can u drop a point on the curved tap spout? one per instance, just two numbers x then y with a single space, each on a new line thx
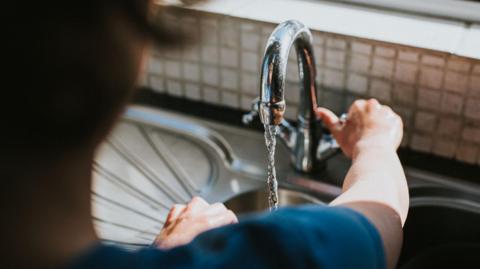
274 69
272 88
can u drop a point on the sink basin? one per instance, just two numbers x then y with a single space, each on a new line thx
256 201
437 236
442 228
153 160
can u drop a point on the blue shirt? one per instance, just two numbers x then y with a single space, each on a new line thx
301 237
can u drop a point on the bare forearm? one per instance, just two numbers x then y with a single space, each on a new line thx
376 187
376 176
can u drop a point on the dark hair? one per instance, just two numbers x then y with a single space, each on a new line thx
69 74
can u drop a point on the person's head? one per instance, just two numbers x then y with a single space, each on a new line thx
72 67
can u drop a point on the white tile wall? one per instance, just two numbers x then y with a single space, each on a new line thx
428 98
210 75
363 48
250 61
381 89
425 121
246 102
155 65
472 109
230 99
445 147
475 85
404 94
229 57
174 87
452 103
336 43
156 83
191 71
360 63
210 54
471 134
449 127
459 65
357 83
431 77
476 69
192 91
229 79
292 92
467 152
436 94
407 55
172 69
422 143
335 58
334 79
456 82
406 72
433 60
387 52
250 41
250 83
382 67
211 95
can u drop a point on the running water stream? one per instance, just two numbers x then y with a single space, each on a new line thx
270 141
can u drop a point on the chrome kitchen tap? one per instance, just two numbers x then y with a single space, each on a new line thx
309 146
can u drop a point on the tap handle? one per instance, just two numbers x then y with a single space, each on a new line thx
247 118
327 147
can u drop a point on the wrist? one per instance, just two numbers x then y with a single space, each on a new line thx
373 144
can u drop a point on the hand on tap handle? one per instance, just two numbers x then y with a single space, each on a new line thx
369 124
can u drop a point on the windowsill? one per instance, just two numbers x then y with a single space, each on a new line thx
405 29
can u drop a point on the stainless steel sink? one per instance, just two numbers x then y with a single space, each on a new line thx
255 201
155 159
443 224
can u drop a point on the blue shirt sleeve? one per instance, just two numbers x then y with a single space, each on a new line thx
302 237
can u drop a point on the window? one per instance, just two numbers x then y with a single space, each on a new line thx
459 10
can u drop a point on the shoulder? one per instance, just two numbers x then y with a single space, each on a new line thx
335 237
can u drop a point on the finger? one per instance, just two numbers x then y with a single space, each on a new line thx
222 219
373 104
178 209
233 217
358 105
216 208
388 111
329 118
197 204
356 109
175 211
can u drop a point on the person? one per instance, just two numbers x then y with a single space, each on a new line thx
71 72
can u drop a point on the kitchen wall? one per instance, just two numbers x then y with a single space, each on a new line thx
436 94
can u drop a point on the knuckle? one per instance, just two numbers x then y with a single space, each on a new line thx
219 205
198 199
176 206
195 201
358 102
